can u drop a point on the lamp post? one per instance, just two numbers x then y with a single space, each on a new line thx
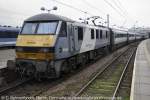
108 20
135 25
48 10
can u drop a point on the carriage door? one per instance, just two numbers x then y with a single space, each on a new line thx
71 41
75 35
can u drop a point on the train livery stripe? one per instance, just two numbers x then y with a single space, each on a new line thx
35 56
35 49
36 40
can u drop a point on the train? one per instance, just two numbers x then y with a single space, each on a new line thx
49 45
8 36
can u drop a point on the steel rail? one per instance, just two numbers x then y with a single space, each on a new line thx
98 74
18 83
122 75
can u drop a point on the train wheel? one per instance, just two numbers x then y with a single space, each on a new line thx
65 68
37 76
58 66
106 49
84 60
11 64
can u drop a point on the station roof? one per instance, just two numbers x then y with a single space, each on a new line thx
48 17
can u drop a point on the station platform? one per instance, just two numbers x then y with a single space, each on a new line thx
6 55
140 88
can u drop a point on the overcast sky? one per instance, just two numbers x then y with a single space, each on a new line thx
14 12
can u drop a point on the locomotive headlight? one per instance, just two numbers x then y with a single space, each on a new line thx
19 49
44 50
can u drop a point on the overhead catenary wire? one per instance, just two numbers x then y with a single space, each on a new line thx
70 6
123 9
120 7
92 6
77 9
119 2
125 16
96 8
122 15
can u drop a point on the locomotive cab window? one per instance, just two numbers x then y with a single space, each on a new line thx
63 30
80 33
47 28
29 28
92 34
106 34
39 28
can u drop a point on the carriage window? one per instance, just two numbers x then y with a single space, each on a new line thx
80 33
118 35
63 30
97 34
101 34
121 35
106 34
92 34
9 34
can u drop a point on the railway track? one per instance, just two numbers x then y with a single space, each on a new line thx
29 87
125 85
107 82
13 85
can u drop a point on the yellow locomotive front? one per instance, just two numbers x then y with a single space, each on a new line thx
36 41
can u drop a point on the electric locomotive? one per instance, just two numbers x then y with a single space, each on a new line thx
50 44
